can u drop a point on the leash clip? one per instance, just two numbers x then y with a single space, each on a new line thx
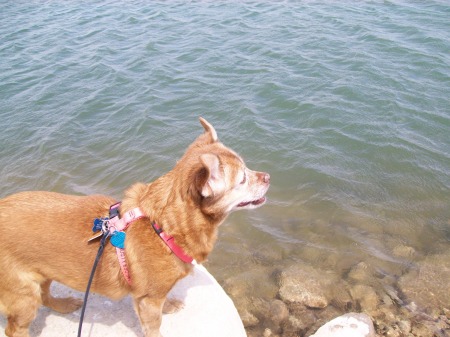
100 228
105 227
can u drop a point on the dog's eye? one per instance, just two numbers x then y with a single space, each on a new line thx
244 179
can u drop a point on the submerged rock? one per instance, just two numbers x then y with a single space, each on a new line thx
248 319
258 280
294 326
299 321
278 312
365 296
305 285
349 325
361 272
404 251
427 285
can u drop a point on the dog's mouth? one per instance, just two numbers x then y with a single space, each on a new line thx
257 202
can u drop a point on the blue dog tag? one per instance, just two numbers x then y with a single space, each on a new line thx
118 239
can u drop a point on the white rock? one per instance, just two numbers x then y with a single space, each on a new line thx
208 311
349 325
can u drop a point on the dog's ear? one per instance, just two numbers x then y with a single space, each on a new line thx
210 134
209 130
214 182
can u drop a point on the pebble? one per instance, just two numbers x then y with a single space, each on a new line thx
405 327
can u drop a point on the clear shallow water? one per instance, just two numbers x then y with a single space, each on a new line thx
345 105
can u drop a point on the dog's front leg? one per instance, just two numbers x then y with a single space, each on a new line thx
149 311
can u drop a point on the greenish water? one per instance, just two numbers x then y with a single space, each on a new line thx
345 104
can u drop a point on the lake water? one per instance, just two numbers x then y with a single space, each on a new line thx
345 104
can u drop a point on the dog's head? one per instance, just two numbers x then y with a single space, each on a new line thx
219 179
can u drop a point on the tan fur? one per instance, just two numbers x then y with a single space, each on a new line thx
43 236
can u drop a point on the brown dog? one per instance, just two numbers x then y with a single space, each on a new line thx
43 236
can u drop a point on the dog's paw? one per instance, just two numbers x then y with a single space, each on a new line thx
172 305
65 305
73 303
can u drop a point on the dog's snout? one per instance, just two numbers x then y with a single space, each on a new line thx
265 177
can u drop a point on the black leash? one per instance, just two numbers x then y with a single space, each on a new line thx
101 228
86 295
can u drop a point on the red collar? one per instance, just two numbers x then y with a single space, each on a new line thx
170 242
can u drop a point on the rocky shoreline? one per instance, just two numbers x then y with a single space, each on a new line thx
300 298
